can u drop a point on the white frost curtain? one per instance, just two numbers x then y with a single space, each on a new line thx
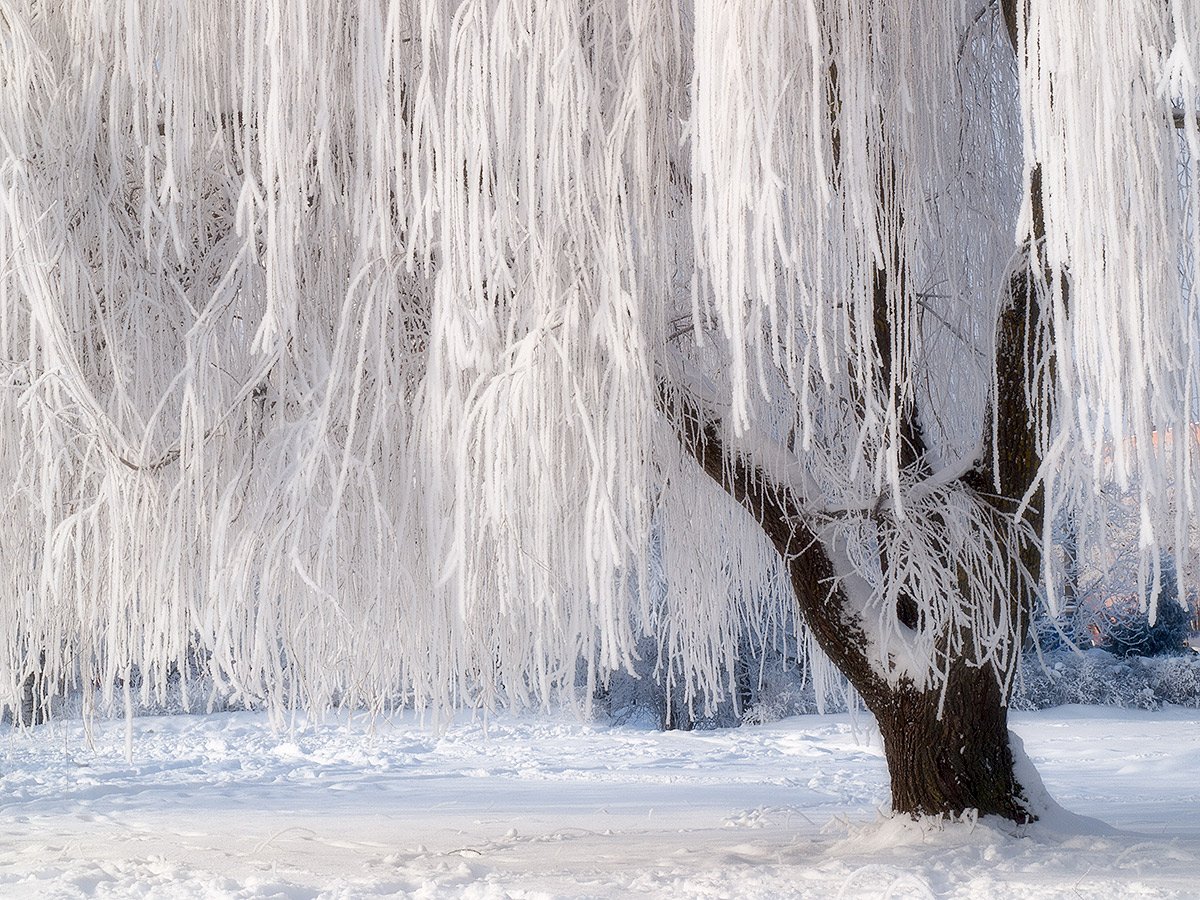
330 331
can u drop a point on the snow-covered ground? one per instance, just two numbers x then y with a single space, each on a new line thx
220 806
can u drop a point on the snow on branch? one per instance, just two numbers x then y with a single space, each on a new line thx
330 342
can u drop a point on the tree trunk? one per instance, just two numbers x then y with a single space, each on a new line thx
947 749
949 754
34 698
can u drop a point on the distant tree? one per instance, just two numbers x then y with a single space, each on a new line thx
32 708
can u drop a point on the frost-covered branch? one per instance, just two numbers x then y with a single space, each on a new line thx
820 592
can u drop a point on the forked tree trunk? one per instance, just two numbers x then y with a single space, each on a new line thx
947 748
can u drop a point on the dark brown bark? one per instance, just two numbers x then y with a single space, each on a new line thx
948 751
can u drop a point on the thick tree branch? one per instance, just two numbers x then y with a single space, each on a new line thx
821 600
1008 8
1011 446
1180 118
1010 461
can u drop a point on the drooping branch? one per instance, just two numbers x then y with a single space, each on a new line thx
912 449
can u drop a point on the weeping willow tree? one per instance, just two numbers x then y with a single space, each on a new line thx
432 352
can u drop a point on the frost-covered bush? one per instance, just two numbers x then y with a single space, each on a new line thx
1176 679
789 690
1123 625
1111 614
1127 631
1099 678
